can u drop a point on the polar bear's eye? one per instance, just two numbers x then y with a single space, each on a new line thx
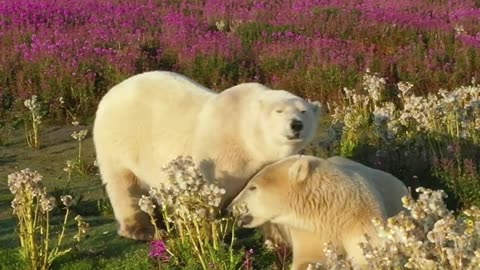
304 111
279 111
252 188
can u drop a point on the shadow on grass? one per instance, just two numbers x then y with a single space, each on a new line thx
104 249
7 237
102 246
4 160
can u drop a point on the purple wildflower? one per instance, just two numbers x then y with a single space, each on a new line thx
58 48
158 250
248 263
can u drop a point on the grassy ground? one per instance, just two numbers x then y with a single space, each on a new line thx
103 248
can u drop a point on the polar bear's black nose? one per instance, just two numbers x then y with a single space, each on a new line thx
245 220
296 125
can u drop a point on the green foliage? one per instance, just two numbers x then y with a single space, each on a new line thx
212 70
251 32
10 259
460 176
433 138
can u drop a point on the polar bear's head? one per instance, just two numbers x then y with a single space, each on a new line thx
287 119
278 193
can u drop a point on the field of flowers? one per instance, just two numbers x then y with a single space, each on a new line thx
78 49
399 80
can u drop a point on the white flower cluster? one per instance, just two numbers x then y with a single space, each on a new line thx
459 30
428 236
356 114
146 204
47 203
454 113
334 260
69 166
357 111
187 195
27 180
384 121
80 135
67 200
27 185
374 85
33 105
220 25
82 226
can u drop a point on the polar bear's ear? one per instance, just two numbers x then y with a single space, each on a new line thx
299 170
316 106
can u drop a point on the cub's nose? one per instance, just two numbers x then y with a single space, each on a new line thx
245 220
296 125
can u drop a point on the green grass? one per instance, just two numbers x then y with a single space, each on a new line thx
103 248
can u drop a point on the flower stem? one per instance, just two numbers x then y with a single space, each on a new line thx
197 250
47 236
55 251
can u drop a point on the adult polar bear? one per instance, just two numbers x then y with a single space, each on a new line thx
151 118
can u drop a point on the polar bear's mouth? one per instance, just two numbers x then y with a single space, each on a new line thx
250 221
245 220
294 137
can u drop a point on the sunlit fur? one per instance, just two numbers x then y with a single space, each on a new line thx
152 118
320 200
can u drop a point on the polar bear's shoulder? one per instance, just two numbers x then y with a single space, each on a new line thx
166 80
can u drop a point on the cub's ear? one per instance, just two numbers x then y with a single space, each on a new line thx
299 170
316 107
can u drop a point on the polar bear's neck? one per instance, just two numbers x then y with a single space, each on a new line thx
324 199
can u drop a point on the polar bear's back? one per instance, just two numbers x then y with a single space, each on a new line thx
138 118
162 89
389 188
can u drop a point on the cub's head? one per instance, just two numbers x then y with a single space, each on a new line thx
273 193
286 118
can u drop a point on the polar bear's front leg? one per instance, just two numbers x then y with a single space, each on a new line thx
124 193
307 248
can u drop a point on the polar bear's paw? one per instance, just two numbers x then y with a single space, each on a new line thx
137 233
136 230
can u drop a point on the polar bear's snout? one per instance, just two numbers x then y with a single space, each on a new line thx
245 219
296 125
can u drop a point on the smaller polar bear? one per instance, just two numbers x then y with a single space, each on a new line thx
318 201
149 119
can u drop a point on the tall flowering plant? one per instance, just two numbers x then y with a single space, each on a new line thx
33 121
440 129
32 206
190 208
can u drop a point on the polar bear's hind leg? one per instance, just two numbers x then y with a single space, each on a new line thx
124 194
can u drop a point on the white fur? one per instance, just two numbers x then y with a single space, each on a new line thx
314 201
150 119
